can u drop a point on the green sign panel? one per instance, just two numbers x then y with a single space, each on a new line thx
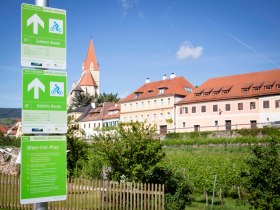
43 37
44 108
43 169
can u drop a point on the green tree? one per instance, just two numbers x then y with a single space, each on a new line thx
83 99
131 151
104 97
262 180
77 155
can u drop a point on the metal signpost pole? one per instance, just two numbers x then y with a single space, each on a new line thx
43 205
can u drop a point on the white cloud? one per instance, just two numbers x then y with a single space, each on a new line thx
127 4
186 51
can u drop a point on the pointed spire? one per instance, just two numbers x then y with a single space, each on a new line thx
91 61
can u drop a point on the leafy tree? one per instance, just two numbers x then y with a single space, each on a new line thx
104 97
77 154
131 151
82 99
262 180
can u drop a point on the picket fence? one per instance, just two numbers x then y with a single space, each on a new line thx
90 194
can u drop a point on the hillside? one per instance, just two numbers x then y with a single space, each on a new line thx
10 113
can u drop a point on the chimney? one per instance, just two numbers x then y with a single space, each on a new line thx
164 77
93 105
172 76
148 80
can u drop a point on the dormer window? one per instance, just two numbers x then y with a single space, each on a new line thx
206 94
187 89
244 90
268 87
161 91
137 94
278 87
197 94
256 88
150 91
225 92
215 93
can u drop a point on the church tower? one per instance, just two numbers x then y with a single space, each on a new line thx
90 78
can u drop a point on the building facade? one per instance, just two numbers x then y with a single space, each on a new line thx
154 102
233 102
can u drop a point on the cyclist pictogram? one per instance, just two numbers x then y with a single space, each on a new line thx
56 89
55 26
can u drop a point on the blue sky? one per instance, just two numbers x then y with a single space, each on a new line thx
136 39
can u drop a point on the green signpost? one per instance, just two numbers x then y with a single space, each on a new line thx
43 37
44 108
43 169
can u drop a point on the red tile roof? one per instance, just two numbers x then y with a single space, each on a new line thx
113 112
91 58
237 86
87 80
99 112
2 129
176 86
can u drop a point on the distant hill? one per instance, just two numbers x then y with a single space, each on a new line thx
10 113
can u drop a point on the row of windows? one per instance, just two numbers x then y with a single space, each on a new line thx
227 124
148 117
98 125
149 103
240 106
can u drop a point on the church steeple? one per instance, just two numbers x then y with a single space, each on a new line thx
90 63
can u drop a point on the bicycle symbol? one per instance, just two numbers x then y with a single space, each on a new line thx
55 27
56 90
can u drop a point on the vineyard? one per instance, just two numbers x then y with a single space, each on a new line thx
200 165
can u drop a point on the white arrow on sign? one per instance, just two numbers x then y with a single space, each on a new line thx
35 19
36 84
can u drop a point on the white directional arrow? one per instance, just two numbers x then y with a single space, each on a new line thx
36 84
35 19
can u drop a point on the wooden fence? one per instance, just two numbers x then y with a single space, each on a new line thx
90 194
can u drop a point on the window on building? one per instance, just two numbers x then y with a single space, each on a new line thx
168 101
161 91
215 108
147 117
268 87
142 118
194 109
278 87
89 125
196 127
142 104
155 102
216 123
161 116
136 105
185 110
148 104
240 106
184 124
277 103
227 107
203 108
130 105
252 105
168 116
161 102
265 104
84 125
155 117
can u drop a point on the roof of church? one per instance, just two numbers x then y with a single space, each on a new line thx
91 58
236 86
87 80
